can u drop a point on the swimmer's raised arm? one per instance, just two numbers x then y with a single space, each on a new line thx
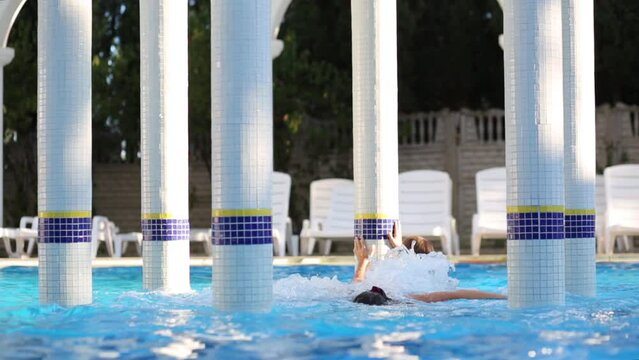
455 295
361 253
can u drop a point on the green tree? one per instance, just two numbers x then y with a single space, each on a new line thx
20 118
200 81
116 81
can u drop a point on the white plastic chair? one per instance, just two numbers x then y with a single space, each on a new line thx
101 231
622 204
121 240
490 219
28 232
323 204
425 207
282 225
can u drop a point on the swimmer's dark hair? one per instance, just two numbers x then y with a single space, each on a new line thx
374 296
422 246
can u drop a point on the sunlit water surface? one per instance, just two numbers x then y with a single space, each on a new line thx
313 317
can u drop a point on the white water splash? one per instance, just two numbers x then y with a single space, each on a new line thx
402 272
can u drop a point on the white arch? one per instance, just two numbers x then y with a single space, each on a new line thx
278 9
9 10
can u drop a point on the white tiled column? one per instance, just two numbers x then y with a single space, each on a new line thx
579 137
242 154
6 55
165 169
64 151
375 168
534 152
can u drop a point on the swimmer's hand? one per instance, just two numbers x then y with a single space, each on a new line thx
362 253
360 250
395 237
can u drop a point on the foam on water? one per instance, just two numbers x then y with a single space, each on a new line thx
400 273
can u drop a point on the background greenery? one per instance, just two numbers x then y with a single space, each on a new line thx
447 52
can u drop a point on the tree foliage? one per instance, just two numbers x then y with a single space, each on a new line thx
448 57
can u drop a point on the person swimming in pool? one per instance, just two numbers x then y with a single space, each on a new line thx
377 296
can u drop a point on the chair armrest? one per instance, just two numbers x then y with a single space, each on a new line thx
25 221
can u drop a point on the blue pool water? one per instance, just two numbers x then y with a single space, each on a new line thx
313 318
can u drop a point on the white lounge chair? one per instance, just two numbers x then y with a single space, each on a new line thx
28 232
322 204
425 207
282 225
622 203
490 219
202 235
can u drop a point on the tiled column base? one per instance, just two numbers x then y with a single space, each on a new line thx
535 273
242 263
65 273
165 255
581 266
580 254
64 252
375 232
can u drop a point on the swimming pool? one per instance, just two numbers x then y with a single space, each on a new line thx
313 318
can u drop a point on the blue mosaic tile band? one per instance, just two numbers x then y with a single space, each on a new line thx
64 230
242 230
536 226
580 226
165 229
373 229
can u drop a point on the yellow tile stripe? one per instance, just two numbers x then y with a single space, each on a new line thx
535 208
152 216
372 216
241 212
581 212
64 214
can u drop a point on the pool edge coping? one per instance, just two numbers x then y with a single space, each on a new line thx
305 260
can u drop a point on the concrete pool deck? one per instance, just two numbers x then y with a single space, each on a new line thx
307 260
